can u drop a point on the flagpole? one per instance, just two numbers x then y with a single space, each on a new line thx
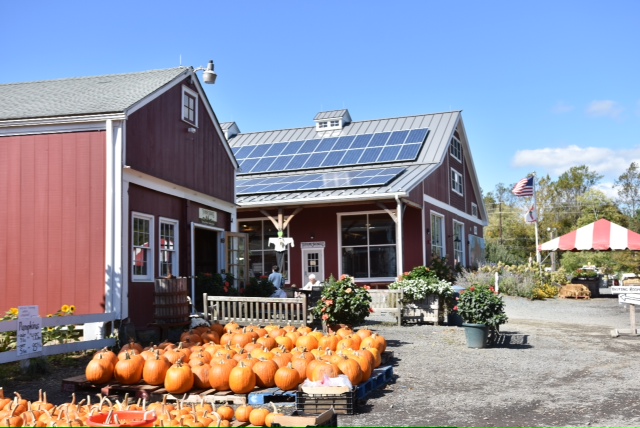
535 205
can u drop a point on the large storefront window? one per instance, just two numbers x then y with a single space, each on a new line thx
262 256
368 246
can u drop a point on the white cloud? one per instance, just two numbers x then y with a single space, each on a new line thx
604 108
561 108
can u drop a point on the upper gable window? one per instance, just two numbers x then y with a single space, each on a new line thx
456 181
456 149
474 210
189 106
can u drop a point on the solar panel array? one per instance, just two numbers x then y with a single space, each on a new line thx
380 147
318 181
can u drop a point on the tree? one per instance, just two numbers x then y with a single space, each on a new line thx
628 186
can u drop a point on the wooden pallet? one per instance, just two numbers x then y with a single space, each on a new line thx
81 384
198 395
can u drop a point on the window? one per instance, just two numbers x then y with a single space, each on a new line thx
474 210
262 256
142 247
335 123
189 106
456 149
322 124
368 244
169 261
458 241
456 181
437 233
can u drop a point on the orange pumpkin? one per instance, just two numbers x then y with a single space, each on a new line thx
287 378
242 379
225 412
155 370
99 370
258 416
243 412
179 378
219 375
201 375
265 371
322 370
128 371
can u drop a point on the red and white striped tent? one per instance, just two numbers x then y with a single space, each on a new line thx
601 235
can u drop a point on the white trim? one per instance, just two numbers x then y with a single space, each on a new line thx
456 178
221 249
157 93
320 200
449 208
462 242
176 244
49 125
151 249
153 183
443 232
303 253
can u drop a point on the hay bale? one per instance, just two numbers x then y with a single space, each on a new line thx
576 291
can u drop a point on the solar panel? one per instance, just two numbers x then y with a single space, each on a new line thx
315 181
364 149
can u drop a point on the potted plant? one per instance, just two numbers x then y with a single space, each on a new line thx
343 302
482 310
585 274
424 294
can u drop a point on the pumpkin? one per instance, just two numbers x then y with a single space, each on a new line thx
243 412
307 341
287 378
219 375
366 364
265 371
132 345
201 375
257 417
330 341
268 420
225 412
105 353
285 341
267 341
179 378
155 370
322 370
99 370
128 371
242 379
350 368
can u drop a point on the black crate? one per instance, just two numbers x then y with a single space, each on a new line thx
344 403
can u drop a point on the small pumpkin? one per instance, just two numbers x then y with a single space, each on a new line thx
258 416
287 378
242 412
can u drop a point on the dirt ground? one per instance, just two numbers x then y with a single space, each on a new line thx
555 364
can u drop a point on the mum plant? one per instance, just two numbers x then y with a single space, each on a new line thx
421 282
261 287
480 304
343 302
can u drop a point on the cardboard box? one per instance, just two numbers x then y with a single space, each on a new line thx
298 419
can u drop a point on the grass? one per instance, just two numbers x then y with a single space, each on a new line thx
42 366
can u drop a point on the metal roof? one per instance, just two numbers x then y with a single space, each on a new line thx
81 95
334 114
441 127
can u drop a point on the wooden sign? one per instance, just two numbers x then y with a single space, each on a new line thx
631 299
632 289
29 331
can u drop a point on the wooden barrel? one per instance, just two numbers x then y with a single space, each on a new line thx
171 304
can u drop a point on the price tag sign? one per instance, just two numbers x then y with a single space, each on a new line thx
29 331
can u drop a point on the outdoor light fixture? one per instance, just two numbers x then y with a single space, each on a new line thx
191 130
208 74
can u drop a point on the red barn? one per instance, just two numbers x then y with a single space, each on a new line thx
371 199
107 183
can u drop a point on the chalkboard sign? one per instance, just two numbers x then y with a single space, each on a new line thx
29 330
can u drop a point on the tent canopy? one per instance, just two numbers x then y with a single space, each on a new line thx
601 235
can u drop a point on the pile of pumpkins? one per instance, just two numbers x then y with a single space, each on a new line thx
18 412
234 358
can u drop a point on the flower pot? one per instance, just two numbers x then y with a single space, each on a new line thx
429 310
477 335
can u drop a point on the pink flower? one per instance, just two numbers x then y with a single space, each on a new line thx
366 287
325 317
455 308
328 302
493 290
472 289
343 277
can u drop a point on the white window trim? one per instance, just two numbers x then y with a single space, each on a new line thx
443 241
194 95
461 260
339 252
455 143
176 243
151 267
456 174
474 209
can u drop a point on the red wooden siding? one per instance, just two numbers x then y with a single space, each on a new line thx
52 221
159 144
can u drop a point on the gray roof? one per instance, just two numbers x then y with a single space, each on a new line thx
330 114
83 95
441 127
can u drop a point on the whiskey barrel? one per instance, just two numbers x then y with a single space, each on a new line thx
171 301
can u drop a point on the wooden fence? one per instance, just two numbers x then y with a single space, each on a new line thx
54 349
256 310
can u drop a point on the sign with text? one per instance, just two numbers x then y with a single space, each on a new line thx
207 216
632 289
314 244
630 299
29 335
28 311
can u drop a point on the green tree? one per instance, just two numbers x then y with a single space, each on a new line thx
628 187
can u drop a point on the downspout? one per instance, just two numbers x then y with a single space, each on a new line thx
399 242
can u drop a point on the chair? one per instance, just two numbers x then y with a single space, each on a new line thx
313 298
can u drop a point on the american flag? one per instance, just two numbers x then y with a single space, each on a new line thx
524 187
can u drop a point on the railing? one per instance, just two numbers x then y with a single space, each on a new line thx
256 310
51 349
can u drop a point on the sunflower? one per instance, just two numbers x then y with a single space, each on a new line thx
72 308
13 311
65 308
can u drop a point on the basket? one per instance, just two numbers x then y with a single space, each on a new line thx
318 400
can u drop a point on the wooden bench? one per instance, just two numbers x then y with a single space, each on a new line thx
387 301
256 310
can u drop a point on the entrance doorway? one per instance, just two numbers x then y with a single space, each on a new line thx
205 258
312 263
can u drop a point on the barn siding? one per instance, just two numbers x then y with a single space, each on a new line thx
52 192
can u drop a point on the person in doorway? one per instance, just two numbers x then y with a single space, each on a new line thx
277 280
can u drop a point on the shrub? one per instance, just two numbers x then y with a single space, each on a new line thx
343 302
258 287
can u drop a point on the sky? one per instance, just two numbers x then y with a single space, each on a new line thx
542 85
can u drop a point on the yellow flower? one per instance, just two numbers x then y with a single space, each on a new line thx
13 311
65 308
72 308
49 316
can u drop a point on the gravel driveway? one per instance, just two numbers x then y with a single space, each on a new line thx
556 365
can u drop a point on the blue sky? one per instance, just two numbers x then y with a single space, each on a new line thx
543 85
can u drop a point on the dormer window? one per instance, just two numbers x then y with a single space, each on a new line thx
322 124
189 106
335 123
336 119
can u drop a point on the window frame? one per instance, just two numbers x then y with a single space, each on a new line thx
266 248
334 123
438 233
456 182
150 249
175 259
323 124
455 149
368 246
189 93
458 247
474 209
